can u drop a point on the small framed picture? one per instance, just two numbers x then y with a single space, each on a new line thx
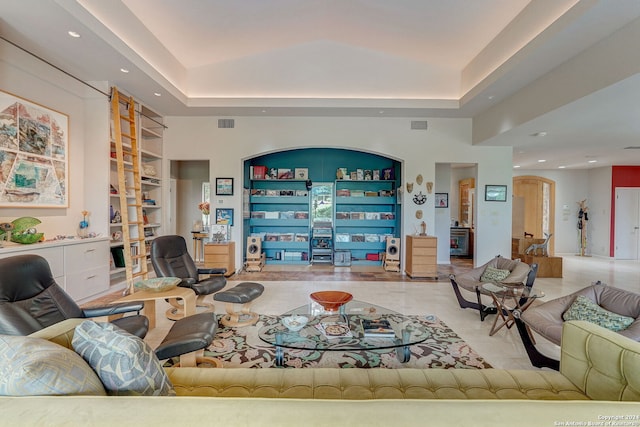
442 200
224 186
495 193
224 216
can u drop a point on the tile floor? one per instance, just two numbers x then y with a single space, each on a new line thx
503 350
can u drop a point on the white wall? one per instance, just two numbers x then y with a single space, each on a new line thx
446 141
88 111
572 186
599 209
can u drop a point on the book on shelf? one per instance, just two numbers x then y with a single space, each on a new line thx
334 329
286 215
379 328
286 237
301 173
371 238
342 237
357 238
259 172
285 173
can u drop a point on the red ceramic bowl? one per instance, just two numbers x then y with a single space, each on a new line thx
331 300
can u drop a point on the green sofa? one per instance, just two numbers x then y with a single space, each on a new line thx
599 377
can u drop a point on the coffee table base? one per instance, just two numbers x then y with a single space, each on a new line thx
403 352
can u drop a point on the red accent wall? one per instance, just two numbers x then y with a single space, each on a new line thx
621 176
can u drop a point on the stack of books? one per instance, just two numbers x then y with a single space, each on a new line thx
378 328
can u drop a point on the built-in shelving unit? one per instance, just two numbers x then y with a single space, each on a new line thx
150 136
280 217
371 212
365 216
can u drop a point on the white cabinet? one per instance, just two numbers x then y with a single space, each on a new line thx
86 269
80 267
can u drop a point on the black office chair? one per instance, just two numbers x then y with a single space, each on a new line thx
170 258
30 300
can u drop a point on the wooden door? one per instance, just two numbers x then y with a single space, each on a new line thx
465 187
538 195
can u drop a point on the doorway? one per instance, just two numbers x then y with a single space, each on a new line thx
627 223
534 208
189 176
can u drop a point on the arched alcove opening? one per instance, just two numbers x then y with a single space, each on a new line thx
355 197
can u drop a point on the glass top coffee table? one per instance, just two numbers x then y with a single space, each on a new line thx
326 331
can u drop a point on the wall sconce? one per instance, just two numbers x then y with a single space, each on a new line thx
309 184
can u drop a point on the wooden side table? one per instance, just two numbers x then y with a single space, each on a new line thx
149 298
507 299
220 255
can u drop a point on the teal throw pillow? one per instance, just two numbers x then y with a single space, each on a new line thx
126 365
585 309
494 275
37 367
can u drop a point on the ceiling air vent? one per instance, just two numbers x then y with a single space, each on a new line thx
419 124
226 123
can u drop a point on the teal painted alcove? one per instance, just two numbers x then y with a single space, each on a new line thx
322 165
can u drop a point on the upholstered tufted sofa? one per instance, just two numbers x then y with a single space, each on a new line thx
596 364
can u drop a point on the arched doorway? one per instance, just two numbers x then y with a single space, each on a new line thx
534 208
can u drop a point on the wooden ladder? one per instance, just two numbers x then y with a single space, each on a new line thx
129 187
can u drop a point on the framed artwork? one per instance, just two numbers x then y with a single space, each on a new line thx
224 186
220 233
34 146
442 200
495 193
224 216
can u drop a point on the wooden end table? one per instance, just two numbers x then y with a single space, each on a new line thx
507 298
149 298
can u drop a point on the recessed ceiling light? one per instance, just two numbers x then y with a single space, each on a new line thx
157 93
561 167
73 34
516 166
593 161
124 70
539 134
541 161
490 97
264 111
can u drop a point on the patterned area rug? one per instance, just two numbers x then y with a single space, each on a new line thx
242 348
